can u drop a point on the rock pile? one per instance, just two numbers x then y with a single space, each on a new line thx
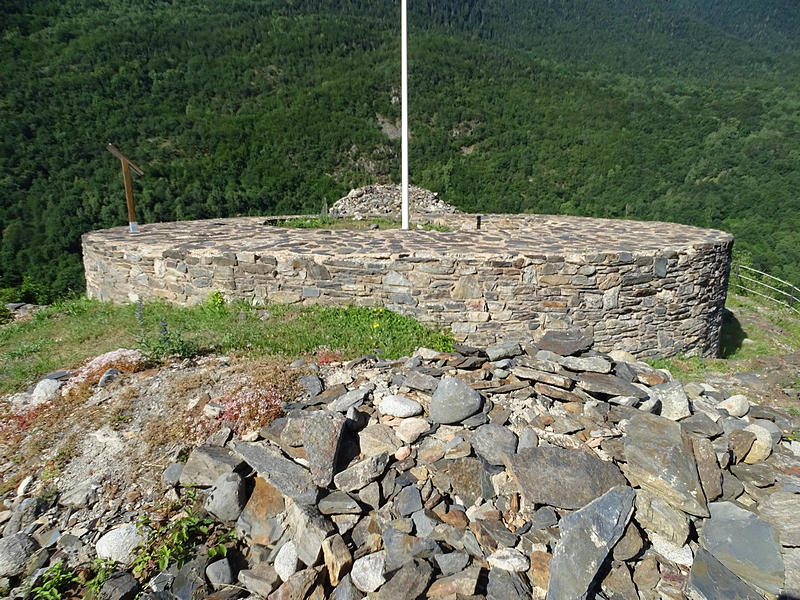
547 471
385 201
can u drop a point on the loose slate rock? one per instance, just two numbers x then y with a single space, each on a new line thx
309 528
660 459
463 583
656 515
782 511
322 434
595 364
350 399
14 553
610 385
409 583
262 518
674 401
507 585
339 503
206 464
503 350
587 536
493 442
362 473
566 343
701 425
452 562
285 475
226 498
711 580
453 401
119 586
562 478
747 545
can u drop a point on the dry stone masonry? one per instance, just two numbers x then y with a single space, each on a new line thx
537 471
652 289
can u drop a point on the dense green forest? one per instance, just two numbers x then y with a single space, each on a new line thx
679 110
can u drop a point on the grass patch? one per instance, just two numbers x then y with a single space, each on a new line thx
68 332
328 222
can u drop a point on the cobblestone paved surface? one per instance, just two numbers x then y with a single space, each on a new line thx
504 235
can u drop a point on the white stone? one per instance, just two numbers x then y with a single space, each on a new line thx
286 561
762 447
119 544
410 429
337 377
622 356
367 572
737 406
399 406
426 353
681 555
509 559
45 391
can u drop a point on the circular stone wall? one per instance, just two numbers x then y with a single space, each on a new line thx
653 289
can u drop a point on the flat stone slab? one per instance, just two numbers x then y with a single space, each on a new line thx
285 475
746 544
660 459
562 478
711 580
587 536
782 511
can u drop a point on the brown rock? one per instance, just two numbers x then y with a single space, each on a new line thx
337 558
707 468
258 517
618 583
464 582
630 544
646 575
456 518
740 442
297 586
539 572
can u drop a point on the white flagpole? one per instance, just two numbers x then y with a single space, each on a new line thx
404 104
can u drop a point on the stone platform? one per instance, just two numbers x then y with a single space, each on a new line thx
653 289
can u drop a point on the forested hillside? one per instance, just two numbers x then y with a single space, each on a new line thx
687 110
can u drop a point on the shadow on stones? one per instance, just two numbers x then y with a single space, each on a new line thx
732 335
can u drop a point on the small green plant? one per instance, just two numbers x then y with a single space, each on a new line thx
102 568
5 314
167 343
794 411
55 581
215 303
173 541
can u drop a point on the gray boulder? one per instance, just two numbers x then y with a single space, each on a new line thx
453 401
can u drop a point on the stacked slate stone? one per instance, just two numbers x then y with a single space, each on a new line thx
386 201
547 471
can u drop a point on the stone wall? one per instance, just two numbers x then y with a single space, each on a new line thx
653 289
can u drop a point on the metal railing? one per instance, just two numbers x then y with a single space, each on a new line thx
764 285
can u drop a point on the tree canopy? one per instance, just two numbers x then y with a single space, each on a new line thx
685 111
